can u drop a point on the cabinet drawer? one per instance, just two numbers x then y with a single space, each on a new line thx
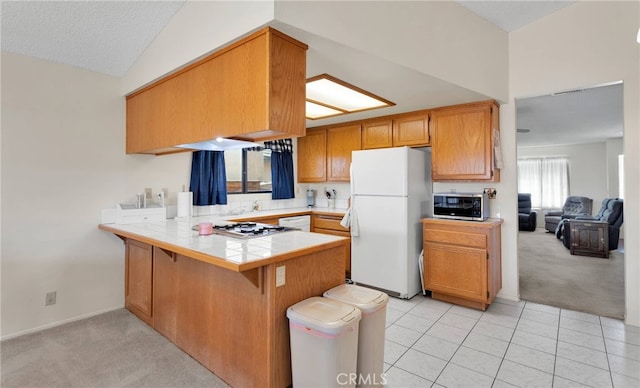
328 222
474 240
333 232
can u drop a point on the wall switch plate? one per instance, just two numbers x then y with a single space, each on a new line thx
280 276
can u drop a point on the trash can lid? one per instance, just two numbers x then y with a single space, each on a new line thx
323 314
366 299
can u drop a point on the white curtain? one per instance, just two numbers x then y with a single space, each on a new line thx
546 179
529 179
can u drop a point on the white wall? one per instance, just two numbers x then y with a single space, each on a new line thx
63 142
198 28
615 147
582 45
588 169
438 38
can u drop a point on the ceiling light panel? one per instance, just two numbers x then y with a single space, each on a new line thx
331 93
325 92
316 111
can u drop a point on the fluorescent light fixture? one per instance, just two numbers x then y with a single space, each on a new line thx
219 144
316 111
328 96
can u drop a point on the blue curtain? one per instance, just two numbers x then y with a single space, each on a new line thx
281 168
281 175
208 178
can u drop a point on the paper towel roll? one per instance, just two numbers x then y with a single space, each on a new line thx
185 204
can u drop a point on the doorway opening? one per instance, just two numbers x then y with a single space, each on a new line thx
585 128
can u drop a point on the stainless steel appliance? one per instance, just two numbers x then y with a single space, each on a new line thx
461 206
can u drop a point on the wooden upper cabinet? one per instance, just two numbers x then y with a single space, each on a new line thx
340 142
412 130
253 89
462 143
312 156
397 131
378 134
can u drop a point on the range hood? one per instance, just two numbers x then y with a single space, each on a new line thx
220 144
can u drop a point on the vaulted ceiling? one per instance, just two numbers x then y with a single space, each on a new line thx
108 37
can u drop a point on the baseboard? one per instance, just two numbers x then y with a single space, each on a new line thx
59 323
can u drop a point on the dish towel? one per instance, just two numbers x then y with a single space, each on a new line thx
351 220
346 220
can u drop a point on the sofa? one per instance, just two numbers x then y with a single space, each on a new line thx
527 218
573 207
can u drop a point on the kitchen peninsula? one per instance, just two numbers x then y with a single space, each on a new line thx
223 300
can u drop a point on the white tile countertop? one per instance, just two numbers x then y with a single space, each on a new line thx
176 235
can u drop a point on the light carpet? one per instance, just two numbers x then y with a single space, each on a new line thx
115 349
550 275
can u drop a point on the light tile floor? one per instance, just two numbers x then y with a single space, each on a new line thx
430 343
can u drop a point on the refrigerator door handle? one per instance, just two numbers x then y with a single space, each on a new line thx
353 218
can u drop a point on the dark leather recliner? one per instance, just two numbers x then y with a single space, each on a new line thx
574 206
526 217
611 212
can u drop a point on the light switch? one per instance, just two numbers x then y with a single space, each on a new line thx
280 276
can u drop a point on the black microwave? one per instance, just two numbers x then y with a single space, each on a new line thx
461 206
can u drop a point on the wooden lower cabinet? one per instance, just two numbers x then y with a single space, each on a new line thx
234 323
330 224
138 280
462 261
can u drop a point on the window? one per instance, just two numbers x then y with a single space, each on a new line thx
248 171
546 179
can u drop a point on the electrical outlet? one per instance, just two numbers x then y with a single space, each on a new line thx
50 298
491 193
280 276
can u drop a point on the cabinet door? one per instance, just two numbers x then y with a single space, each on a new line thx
165 292
411 131
456 270
312 156
139 279
462 144
340 142
377 135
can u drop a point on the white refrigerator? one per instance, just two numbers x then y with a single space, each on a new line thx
391 190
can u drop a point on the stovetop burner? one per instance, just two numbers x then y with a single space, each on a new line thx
248 229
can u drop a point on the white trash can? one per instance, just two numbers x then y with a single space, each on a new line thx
324 342
373 304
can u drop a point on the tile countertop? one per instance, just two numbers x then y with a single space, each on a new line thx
177 235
